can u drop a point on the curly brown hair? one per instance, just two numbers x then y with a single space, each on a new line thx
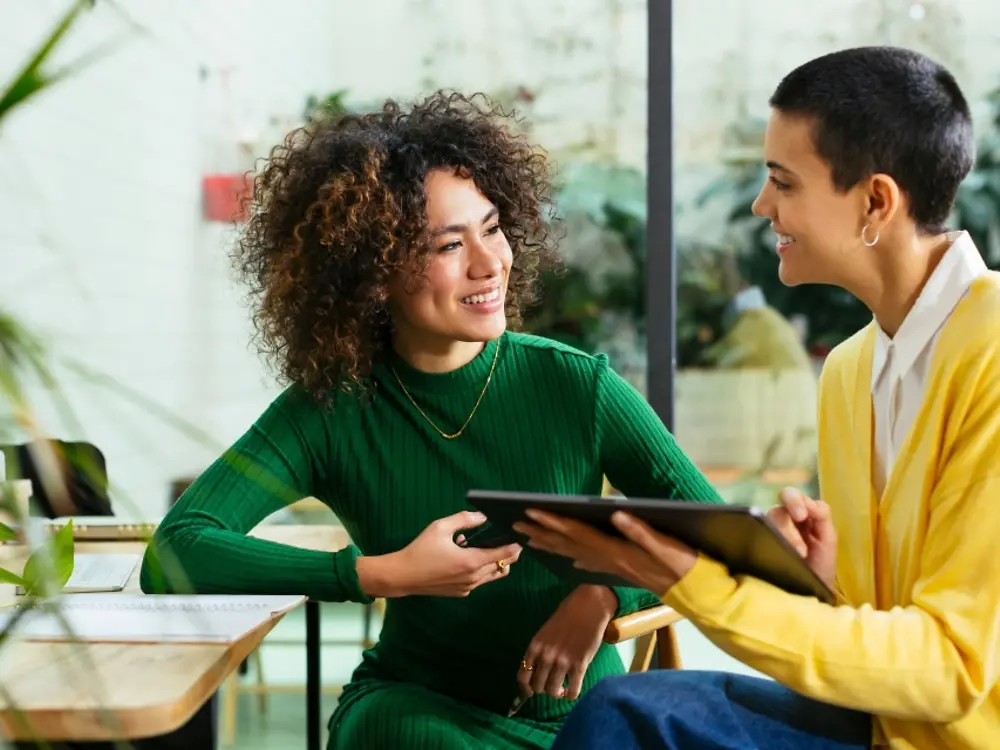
340 207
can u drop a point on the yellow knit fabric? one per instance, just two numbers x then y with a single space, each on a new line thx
916 641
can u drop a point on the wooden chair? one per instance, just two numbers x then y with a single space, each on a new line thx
653 630
83 470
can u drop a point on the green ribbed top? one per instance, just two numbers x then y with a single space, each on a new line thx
552 420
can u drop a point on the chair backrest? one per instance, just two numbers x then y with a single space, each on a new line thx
84 472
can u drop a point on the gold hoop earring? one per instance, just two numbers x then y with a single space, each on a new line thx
864 237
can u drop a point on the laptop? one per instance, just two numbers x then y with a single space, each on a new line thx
101 572
96 572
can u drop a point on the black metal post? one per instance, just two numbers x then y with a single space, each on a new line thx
314 686
661 262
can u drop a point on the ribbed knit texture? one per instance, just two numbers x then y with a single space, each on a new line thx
553 420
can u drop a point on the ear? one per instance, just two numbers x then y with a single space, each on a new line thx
884 200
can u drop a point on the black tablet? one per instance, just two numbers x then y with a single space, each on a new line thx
739 536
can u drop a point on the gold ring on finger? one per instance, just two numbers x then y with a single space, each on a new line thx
527 667
501 565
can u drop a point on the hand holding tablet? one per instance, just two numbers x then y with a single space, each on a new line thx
740 537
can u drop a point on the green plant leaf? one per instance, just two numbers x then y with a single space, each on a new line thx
7 534
7 577
55 557
30 80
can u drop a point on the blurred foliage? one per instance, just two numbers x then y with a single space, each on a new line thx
23 356
977 206
26 363
38 74
601 212
705 287
333 104
601 288
50 565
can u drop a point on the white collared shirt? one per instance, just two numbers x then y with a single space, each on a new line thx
902 363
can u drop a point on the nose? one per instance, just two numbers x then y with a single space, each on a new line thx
761 206
484 263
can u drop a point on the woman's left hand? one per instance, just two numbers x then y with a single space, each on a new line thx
646 558
558 656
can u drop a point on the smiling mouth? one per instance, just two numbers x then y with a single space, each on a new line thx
482 299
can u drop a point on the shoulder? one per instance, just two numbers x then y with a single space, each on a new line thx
295 404
553 369
546 352
974 327
969 344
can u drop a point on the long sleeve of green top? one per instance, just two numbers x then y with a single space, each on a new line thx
551 420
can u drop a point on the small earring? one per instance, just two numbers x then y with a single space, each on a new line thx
864 238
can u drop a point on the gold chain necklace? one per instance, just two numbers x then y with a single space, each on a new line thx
444 434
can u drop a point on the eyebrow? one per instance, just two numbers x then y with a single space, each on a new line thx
775 165
457 228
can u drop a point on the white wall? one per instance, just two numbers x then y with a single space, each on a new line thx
101 243
104 250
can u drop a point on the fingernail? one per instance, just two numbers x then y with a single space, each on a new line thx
621 519
476 516
532 514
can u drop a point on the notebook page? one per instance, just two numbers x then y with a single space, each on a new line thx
153 618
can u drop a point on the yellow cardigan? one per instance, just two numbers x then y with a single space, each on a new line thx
916 640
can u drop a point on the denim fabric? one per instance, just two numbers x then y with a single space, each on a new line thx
677 710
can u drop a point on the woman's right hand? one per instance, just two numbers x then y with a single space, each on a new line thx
808 526
434 565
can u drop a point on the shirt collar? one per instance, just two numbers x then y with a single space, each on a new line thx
961 265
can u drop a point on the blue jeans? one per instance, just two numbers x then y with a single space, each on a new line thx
677 710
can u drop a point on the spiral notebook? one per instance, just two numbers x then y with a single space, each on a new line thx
150 618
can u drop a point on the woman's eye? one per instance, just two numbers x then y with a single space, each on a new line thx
779 185
449 246
493 229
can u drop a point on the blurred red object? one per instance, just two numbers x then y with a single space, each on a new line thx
225 196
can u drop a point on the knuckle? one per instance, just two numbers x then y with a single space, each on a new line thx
552 656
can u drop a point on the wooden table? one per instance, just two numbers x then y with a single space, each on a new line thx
107 691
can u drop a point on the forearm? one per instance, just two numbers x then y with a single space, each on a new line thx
189 557
631 600
899 663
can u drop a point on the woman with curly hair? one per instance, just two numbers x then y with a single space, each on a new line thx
387 254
